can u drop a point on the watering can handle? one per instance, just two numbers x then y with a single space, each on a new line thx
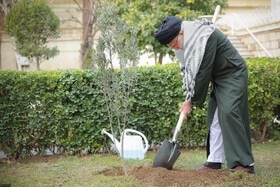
142 135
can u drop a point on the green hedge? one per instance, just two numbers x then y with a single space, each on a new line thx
264 97
65 109
50 109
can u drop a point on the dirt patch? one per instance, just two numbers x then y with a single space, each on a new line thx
156 177
159 177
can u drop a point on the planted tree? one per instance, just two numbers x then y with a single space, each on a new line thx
32 24
114 60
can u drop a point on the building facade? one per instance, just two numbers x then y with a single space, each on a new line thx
256 19
69 43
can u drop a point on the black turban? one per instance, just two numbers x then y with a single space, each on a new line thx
168 30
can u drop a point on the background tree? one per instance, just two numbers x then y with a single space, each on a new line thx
4 8
32 24
2 13
116 48
148 14
89 30
88 8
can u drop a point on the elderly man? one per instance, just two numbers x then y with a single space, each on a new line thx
207 56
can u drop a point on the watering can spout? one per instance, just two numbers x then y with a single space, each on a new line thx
118 144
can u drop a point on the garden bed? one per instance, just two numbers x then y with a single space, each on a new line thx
149 176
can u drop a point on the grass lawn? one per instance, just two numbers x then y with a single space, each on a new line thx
89 170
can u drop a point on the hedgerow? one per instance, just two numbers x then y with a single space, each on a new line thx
65 110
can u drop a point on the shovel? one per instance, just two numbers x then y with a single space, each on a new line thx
168 152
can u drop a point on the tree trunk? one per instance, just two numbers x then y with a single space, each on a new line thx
158 60
87 29
38 63
1 33
264 132
155 55
160 57
0 50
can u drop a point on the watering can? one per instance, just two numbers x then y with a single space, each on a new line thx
133 147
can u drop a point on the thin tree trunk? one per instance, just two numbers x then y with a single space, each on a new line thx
87 29
264 130
1 33
38 63
160 58
0 50
155 55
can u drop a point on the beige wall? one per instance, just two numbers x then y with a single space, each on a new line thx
268 35
71 36
238 6
68 58
68 44
55 2
8 58
263 23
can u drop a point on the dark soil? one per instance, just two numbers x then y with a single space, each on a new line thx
159 177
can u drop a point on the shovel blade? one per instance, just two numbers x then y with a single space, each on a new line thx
167 155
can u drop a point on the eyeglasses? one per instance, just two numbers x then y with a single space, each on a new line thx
172 45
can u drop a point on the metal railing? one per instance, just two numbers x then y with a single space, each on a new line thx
253 18
252 35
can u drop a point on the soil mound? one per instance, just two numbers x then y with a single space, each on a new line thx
159 177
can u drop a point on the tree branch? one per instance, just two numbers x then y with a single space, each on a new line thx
72 18
79 6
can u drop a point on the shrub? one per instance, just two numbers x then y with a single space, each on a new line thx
264 100
66 109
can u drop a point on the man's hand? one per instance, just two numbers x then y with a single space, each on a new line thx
186 108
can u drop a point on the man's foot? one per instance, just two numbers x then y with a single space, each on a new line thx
210 166
248 169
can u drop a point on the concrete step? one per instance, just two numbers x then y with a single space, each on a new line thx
247 54
240 46
244 49
233 37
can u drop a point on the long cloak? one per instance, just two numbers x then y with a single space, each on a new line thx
226 70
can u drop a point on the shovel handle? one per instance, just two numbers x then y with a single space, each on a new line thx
178 127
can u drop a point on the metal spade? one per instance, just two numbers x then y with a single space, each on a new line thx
168 152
